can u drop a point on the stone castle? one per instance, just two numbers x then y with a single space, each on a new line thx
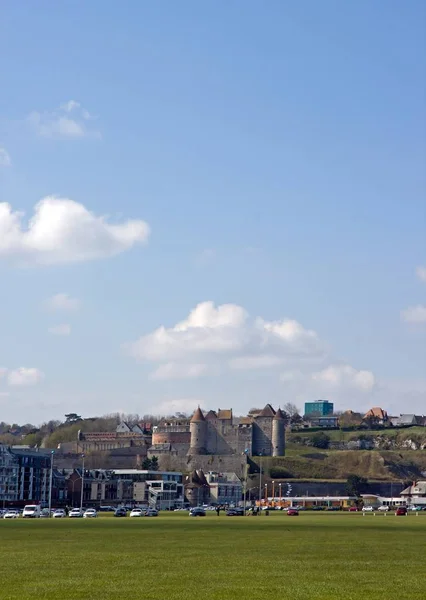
261 433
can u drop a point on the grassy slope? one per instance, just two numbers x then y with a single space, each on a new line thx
174 557
303 462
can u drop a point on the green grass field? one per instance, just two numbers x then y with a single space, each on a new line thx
175 557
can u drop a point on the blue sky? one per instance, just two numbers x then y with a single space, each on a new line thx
276 153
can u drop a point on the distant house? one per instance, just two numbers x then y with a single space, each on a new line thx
123 427
408 419
376 415
415 493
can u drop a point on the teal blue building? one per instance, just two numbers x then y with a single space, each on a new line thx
319 408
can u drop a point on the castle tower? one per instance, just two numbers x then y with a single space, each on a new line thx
278 434
198 430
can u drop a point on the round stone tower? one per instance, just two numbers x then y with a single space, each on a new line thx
198 430
278 434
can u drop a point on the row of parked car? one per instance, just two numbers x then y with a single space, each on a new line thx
35 511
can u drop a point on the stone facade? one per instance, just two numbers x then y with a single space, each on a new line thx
218 433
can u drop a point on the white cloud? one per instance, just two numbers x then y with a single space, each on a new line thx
64 231
24 376
171 407
63 329
336 376
259 361
179 371
4 158
63 302
216 337
421 273
3 372
69 121
414 314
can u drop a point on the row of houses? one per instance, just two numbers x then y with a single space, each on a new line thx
28 475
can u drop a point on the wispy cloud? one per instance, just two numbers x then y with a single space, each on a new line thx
421 273
63 302
69 121
4 158
414 314
63 329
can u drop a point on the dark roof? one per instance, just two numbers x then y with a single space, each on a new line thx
268 411
198 416
211 415
279 415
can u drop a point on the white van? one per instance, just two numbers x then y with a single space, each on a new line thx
31 511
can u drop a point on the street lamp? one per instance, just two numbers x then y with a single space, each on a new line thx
82 484
51 482
273 491
266 494
279 485
260 483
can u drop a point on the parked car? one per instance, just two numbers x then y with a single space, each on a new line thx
90 513
197 512
317 508
400 511
120 512
383 508
11 514
415 508
333 508
45 513
106 509
59 513
137 512
151 512
353 509
75 513
368 509
292 512
235 512
31 511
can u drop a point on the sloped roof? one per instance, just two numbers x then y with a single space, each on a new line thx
246 420
376 412
420 486
198 416
268 411
224 413
279 415
211 415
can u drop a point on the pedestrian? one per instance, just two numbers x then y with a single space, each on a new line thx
218 510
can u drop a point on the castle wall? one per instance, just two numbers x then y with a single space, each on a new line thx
171 437
262 436
220 463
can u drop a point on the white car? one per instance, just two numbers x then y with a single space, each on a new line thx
151 512
368 509
11 514
59 513
137 512
383 508
75 513
90 513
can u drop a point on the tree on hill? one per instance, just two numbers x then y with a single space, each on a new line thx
291 409
320 440
356 485
150 464
72 418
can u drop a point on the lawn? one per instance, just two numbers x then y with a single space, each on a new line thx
174 557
